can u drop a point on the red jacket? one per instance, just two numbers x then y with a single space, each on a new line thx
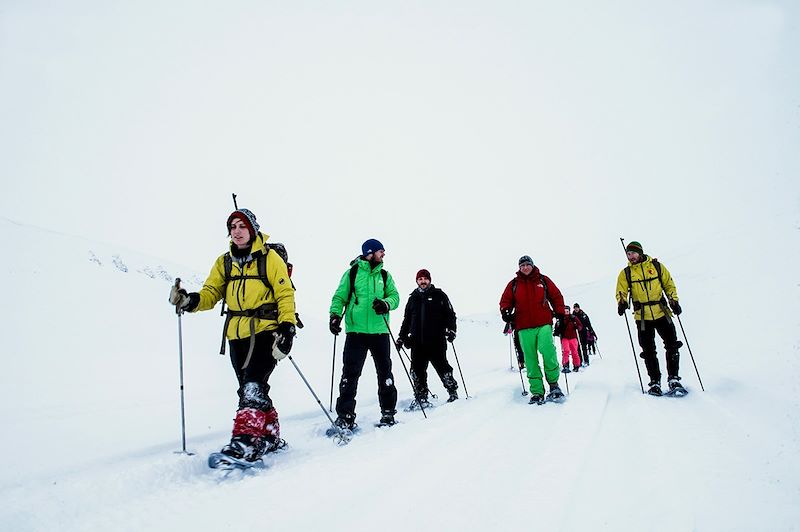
528 300
567 327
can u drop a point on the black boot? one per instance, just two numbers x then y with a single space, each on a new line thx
655 388
387 419
245 447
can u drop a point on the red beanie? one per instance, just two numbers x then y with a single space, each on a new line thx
423 273
248 218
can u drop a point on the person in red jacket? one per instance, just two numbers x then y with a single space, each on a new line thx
526 304
567 328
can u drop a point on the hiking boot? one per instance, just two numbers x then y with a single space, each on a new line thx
575 369
536 399
675 383
245 447
655 388
555 394
417 404
453 396
565 369
277 444
387 420
347 422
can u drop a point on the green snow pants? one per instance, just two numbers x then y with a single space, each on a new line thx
539 340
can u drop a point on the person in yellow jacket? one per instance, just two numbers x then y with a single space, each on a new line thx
647 281
254 282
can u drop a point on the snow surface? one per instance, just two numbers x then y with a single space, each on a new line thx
89 403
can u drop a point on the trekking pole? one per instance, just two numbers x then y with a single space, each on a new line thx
343 436
566 380
178 311
459 369
690 352
333 368
413 388
522 382
597 347
510 355
628 326
635 359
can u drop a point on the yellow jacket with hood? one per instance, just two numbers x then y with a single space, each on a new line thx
249 294
647 288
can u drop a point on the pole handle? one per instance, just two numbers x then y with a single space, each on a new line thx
235 205
178 310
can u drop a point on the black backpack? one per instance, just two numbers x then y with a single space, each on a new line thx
630 282
261 264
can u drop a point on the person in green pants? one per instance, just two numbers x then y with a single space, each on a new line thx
529 303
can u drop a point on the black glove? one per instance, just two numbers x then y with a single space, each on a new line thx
507 315
399 344
380 306
450 335
622 306
283 341
508 329
675 306
335 325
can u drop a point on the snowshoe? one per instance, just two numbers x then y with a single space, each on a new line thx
453 396
342 431
227 462
555 395
536 399
243 452
566 369
417 404
676 389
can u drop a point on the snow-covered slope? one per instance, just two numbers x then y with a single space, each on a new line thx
89 404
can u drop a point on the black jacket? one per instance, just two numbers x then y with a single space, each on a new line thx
428 314
587 324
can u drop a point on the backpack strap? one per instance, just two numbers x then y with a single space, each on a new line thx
353 274
630 282
514 290
351 294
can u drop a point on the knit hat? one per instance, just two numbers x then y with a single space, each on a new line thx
634 246
423 273
249 219
576 305
525 259
370 246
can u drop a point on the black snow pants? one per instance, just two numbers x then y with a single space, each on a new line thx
647 340
356 346
435 353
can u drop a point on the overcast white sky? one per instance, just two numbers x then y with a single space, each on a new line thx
461 134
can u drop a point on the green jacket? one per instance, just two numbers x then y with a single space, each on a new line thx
359 314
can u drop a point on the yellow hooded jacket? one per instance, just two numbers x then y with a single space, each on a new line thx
647 288
249 294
